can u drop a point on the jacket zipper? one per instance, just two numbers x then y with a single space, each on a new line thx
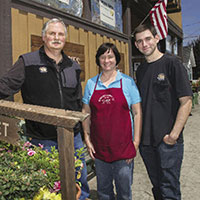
58 72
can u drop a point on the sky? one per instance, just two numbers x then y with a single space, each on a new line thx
190 20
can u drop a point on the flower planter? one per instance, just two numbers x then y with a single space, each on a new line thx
27 166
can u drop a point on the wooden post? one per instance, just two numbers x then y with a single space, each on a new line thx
6 36
66 157
127 30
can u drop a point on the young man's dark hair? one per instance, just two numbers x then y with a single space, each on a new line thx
144 27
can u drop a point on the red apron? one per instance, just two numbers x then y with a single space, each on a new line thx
111 131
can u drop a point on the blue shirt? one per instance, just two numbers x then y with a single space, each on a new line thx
129 89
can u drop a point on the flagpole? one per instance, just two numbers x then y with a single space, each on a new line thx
141 23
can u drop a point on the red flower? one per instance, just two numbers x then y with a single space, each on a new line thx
57 186
31 152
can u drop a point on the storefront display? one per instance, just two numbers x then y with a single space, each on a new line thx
74 7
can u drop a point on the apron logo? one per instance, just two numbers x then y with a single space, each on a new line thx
43 70
106 99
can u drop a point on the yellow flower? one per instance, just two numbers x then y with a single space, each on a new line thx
44 194
40 194
78 175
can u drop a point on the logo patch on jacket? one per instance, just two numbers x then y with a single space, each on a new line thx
161 77
43 70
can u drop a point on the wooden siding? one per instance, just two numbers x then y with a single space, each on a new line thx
177 18
25 24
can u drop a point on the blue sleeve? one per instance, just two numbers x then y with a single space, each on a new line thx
89 89
86 97
130 90
134 93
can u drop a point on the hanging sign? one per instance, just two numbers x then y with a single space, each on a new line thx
107 11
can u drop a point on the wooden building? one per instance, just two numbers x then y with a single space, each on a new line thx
21 22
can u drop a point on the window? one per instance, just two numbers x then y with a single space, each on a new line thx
169 44
175 46
172 45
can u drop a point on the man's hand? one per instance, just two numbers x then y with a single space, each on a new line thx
169 140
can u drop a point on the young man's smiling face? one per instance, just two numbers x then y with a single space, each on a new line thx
146 42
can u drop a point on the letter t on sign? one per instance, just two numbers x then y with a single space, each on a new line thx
9 129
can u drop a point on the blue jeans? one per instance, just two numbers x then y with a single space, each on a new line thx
121 173
163 164
78 143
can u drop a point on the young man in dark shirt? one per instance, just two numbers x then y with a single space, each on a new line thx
166 104
48 77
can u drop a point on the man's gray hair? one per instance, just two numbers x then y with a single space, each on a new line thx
54 20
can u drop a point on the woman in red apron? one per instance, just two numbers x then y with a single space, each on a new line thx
108 131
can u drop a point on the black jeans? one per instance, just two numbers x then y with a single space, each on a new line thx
163 164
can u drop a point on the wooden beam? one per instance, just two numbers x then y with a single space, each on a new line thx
5 36
66 157
87 9
127 30
59 117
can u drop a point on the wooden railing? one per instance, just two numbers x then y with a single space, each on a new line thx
65 121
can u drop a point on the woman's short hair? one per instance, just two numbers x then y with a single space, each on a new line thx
105 47
54 20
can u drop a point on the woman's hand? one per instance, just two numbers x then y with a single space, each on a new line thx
90 148
128 161
136 145
86 129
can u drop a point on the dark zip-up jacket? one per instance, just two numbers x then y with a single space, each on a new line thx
44 83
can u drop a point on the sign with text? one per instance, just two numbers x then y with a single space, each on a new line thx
9 129
107 11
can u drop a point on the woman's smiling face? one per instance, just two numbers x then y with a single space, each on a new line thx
108 61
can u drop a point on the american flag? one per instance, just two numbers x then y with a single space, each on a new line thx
158 16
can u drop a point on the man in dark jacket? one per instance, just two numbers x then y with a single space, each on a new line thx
48 77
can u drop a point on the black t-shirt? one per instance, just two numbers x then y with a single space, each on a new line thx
161 84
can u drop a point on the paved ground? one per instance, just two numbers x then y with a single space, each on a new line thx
190 175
